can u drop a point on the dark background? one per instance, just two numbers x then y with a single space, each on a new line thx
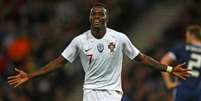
33 32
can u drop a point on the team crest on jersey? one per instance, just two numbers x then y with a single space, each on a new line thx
100 47
111 46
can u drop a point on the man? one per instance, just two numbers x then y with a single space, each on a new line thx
101 52
189 52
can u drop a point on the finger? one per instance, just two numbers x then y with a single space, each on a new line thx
12 85
18 70
11 77
186 70
18 84
186 75
181 65
180 76
13 80
14 77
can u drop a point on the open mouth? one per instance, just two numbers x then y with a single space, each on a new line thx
96 21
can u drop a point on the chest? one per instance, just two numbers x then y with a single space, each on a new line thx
101 50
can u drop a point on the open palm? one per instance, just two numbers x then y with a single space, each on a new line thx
18 79
181 72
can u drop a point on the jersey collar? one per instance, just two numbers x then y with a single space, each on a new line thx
90 36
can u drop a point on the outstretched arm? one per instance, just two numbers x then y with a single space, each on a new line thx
22 77
51 66
176 71
150 62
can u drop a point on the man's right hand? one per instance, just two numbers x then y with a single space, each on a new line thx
18 79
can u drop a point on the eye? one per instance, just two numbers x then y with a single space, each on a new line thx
102 14
92 13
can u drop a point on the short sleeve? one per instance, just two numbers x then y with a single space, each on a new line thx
129 49
175 51
71 51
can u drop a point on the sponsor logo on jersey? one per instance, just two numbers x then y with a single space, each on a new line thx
100 47
111 46
86 50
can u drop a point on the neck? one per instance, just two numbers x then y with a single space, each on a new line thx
98 32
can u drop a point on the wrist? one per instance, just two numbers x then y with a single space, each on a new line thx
30 76
169 69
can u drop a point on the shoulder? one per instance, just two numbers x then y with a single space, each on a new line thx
82 36
117 34
178 47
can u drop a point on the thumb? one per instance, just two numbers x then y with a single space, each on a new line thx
180 65
18 70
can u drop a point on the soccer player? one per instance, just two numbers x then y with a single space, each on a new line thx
101 52
189 52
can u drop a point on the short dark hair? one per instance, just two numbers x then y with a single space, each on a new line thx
194 29
98 5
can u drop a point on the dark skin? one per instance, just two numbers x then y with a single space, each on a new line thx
22 77
98 20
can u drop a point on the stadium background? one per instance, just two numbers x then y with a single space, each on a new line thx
33 32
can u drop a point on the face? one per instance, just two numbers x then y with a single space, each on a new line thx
98 17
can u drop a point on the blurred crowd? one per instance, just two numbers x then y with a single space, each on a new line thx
33 32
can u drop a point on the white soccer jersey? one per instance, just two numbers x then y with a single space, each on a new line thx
101 58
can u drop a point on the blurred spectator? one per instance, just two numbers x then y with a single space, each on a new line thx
19 49
33 31
3 63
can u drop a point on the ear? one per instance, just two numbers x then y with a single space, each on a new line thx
90 17
107 16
